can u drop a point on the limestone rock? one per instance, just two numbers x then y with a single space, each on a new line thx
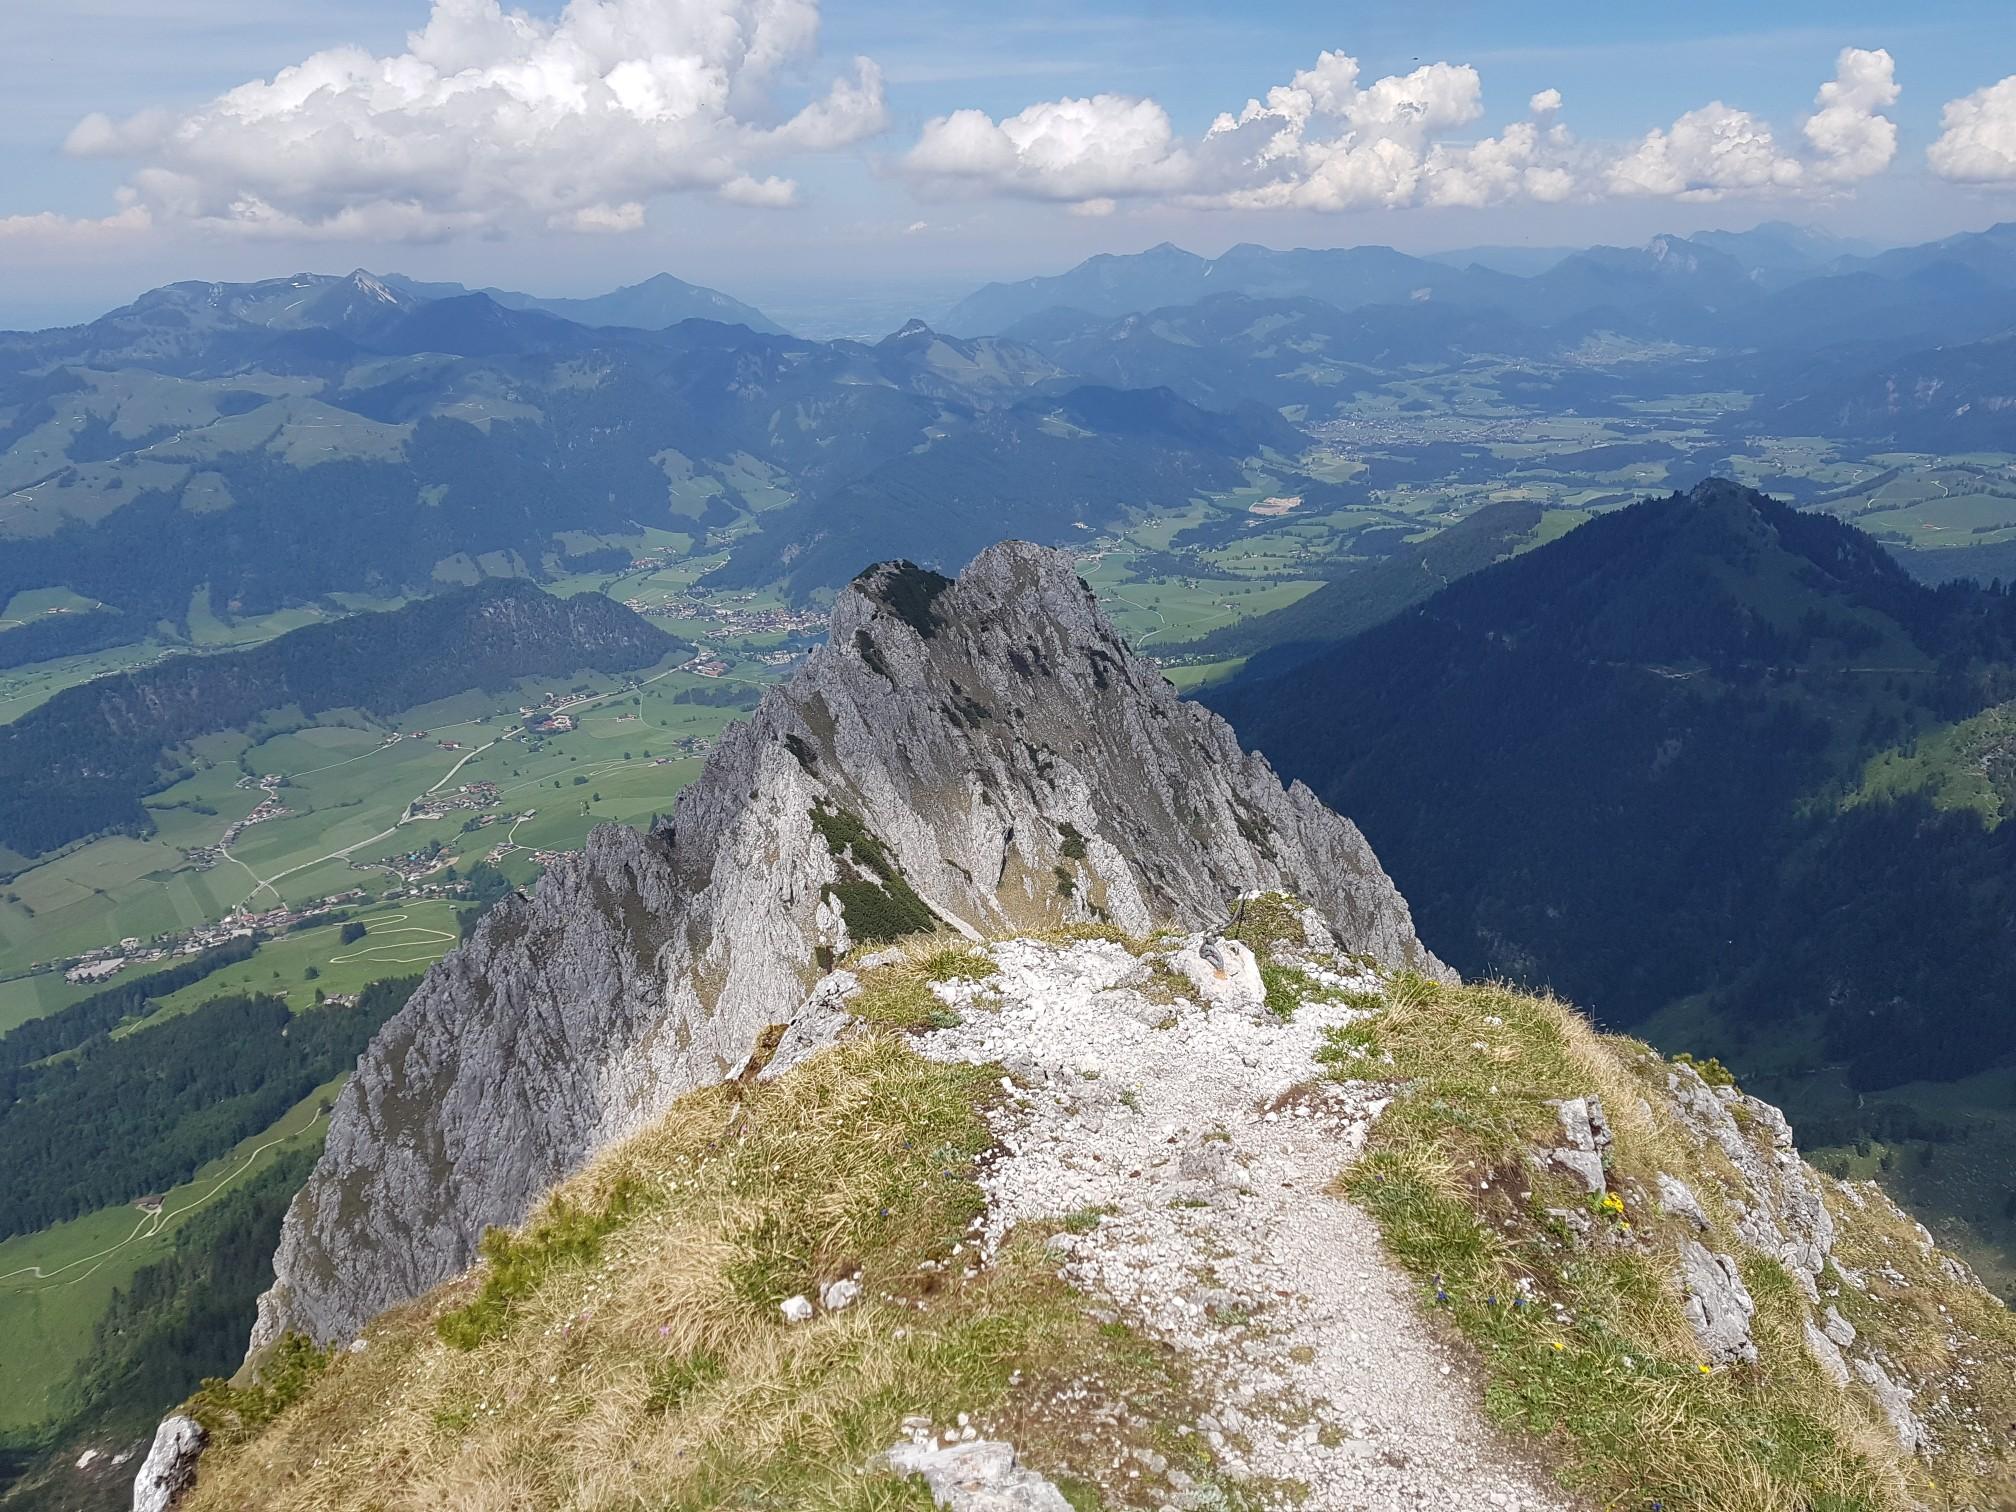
1678 1199
1826 1354
1588 1135
170 1467
1585 1164
1895 1400
1719 1307
991 742
1779 1211
980 1475
1224 972
1583 1124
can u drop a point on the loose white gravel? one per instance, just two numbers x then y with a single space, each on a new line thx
1211 1141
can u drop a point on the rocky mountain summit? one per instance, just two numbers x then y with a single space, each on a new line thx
993 1090
984 757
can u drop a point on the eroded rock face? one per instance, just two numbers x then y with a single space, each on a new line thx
1779 1209
1719 1307
170 1466
987 751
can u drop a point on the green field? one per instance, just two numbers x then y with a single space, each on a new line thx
55 1284
23 688
347 789
25 997
403 938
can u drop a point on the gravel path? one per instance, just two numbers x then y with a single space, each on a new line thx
1209 1143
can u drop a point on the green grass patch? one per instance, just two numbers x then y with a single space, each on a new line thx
232 1413
1287 989
1708 1068
563 1235
1267 922
874 897
1581 1332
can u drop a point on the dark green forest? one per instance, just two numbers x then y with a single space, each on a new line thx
116 1119
1616 766
69 1027
181 1318
944 504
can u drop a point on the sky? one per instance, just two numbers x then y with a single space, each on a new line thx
838 162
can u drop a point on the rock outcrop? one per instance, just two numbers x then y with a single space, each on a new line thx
984 755
170 1467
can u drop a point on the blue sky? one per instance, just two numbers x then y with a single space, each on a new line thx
749 149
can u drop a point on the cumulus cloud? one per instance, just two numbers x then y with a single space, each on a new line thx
63 229
1977 144
1849 137
1704 155
1328 140
1082 150
1718 150
492 118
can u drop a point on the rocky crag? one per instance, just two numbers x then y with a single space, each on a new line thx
984 756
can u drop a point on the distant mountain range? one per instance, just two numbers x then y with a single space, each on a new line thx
652 305
1711 271
273 442
1053 465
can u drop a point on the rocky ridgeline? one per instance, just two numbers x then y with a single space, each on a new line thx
1194 1133
984 755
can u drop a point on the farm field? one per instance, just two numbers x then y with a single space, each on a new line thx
346 790
403 938
30 996
55 1284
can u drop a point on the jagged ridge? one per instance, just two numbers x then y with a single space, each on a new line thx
985 754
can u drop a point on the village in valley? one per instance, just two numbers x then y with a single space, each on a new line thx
349 816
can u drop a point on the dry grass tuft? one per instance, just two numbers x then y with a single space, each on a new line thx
654 1368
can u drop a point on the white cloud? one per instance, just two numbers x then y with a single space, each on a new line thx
1327 141
1705 154
764 194
52 228
1850 140
1978 143
1719 150
493 119
1081 150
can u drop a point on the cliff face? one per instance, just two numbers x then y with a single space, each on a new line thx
984 755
